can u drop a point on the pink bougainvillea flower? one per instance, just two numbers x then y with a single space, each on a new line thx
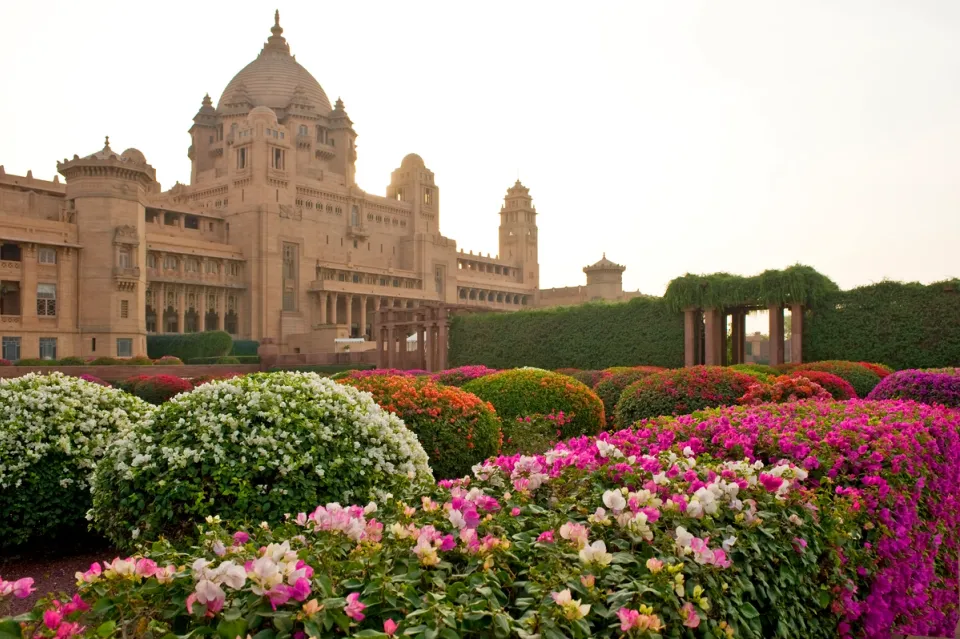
52 618
354 608
628 619
690 617
240 538
390 627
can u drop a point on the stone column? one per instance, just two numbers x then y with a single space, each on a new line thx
714 336
442 340
796 333
160 308
363 316
378 333
349 318
690 330
333 306
202 309
221 309
181 308
323 307
28 292
391 346
422 346
776 334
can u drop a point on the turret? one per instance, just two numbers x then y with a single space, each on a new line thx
518 233
413 182
344 141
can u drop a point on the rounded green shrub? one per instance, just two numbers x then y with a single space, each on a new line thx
769 371
457 429
188 346
252 448
106 361
590 378
53 429
526 391
859 376
228 359
168 360
139 360
71 361
681 391
610 389
36 361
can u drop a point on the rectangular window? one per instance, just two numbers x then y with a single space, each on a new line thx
191 222
170 219
242 158
124 258
234 268
428 196
151 260
212 267
124 347
356 278
124 309
341 277
438 279
47 255
170 263
47 300
289 261
48 348
276 159
11 348
192 266
396 283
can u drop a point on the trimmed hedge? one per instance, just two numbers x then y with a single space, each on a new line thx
226 359
71 361
457 429
527 391
859 376
903 325
36 361
681 391
244 348
326 369
190 345
168 360
796 283
588 336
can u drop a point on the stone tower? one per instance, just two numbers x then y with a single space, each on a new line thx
604 280
106 191
518 233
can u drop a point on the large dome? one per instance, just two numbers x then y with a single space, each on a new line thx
272 79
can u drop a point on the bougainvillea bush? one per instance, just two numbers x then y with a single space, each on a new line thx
838 387
610 389
590 378
157 389
462 375
457 429
53 429
899 463
94 380
534 434
376 372
920 386
585 541
5 362
859 376
252 447
531 391
784 389
880 369
680 391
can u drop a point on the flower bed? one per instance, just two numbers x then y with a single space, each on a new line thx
784 389
900 464
253 447
680 391
376 372
53 429
462 375
920 386
590 544
859 376
529 391
838 387
456 428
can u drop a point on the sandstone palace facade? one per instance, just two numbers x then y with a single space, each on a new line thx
272 238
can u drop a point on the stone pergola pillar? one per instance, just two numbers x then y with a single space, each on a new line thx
391 346
442 339
796 333
691 334
738 327
776 334
422 345
715 337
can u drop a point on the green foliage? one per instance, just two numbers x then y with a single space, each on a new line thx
226 359
106 361
168 360
328 369
252 448
244 347
796 284
681 391
190 345
902 325
528 391
759 368
589 336
71 361
36 361
456 429
857 375
610 389
53 429
139 360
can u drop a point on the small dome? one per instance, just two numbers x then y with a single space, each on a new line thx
263 113
605 265
133 155
412 160
106 153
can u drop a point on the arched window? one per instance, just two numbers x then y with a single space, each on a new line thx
355 216
302 130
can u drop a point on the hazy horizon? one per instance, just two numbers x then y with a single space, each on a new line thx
682 137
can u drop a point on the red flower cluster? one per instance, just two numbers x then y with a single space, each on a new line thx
784 389
838 387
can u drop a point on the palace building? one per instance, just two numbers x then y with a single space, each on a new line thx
272 238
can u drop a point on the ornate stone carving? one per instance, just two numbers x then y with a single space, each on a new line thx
126 235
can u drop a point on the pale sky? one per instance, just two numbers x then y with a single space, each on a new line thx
676 136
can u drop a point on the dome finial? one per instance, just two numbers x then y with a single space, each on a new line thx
106 141
276 18
276 42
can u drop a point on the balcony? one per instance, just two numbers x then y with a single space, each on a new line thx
10 269
126 277
360 232
304 141
325 151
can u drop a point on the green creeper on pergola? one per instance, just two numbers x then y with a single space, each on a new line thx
707 300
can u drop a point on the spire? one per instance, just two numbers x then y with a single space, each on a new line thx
106 143
277 42
207 101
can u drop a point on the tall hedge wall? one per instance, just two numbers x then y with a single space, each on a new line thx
190 345
595 335
901 325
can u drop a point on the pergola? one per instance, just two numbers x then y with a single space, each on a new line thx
708 300
430 323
